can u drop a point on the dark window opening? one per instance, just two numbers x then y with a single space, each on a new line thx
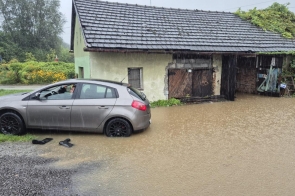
135 77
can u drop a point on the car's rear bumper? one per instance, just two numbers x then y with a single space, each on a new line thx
142 123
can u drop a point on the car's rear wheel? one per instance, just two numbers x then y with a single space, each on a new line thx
118 127
11 123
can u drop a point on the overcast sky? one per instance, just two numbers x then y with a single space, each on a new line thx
212 5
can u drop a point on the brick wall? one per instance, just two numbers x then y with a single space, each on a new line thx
246 80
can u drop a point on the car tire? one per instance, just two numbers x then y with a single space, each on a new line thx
11 124
118 127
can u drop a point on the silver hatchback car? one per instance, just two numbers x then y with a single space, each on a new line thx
89 105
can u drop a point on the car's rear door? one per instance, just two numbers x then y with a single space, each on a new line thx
92 106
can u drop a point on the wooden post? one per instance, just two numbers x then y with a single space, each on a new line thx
232 77
228 78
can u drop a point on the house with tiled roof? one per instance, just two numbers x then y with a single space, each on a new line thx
167 52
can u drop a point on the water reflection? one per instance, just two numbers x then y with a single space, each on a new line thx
244 147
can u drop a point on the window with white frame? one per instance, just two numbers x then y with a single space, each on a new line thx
135 77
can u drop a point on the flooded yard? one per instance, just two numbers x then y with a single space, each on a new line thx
245 147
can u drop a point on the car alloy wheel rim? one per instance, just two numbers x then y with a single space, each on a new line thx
9 125
118 129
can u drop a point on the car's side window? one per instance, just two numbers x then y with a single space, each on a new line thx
93 91
60 92
110 93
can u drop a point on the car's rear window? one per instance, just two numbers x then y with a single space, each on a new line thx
136 93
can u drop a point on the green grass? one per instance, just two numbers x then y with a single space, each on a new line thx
15 138
7 92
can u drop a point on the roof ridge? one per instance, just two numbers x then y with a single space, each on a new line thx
157 7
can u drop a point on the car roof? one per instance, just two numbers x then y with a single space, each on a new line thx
96 80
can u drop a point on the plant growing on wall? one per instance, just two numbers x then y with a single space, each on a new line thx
276 18
290 71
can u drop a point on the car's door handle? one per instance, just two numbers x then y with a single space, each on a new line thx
64 107
102 107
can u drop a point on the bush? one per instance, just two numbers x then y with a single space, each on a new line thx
32 72
9 73
167 103
43 77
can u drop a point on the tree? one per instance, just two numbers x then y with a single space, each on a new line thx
34 25
8 49
66 56
276 18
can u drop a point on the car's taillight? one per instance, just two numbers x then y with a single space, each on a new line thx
139 105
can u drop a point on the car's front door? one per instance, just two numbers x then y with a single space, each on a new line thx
92 106
52 109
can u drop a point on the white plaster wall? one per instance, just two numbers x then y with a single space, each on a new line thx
217 65
81 57
114 66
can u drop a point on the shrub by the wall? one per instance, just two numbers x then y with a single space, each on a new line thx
166 103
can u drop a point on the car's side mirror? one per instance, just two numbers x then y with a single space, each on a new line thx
37 96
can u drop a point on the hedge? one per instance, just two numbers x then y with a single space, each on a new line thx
33 72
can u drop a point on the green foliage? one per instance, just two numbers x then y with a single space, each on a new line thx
51 55
15 138
8 49
167 103
66 56
278 53
30 57
290 70
276 18
11 50
32 72
33 24
10 73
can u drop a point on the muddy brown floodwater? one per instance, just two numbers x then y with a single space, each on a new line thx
245 147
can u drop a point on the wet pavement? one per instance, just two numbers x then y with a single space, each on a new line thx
245 147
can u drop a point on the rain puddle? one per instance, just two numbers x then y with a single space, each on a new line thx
245 147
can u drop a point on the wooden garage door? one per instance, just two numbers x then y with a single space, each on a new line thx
197 83
202 83
180 83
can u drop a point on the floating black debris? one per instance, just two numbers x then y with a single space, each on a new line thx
41 141
66 143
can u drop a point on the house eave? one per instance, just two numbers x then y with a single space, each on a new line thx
150 51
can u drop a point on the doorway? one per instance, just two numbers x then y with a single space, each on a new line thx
81 72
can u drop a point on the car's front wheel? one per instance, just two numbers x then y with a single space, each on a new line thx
118 127
11 123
